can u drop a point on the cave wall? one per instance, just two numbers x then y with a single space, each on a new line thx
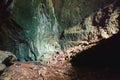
70 13
43 25
39 22
99 20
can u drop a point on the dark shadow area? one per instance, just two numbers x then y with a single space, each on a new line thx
102 60
106 53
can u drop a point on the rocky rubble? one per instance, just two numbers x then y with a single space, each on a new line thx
61 58
34 71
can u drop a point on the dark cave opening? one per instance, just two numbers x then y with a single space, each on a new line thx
105 53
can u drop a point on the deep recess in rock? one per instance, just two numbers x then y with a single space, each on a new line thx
39 27
105 53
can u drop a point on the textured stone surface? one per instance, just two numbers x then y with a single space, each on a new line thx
34 71
40 25
70 13
6 59
100 25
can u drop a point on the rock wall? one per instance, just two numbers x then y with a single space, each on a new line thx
70 13
39 27
99 62
101 24
37 19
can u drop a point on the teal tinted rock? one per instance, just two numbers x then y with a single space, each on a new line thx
37 19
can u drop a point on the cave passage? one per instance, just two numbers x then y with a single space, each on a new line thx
105 53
